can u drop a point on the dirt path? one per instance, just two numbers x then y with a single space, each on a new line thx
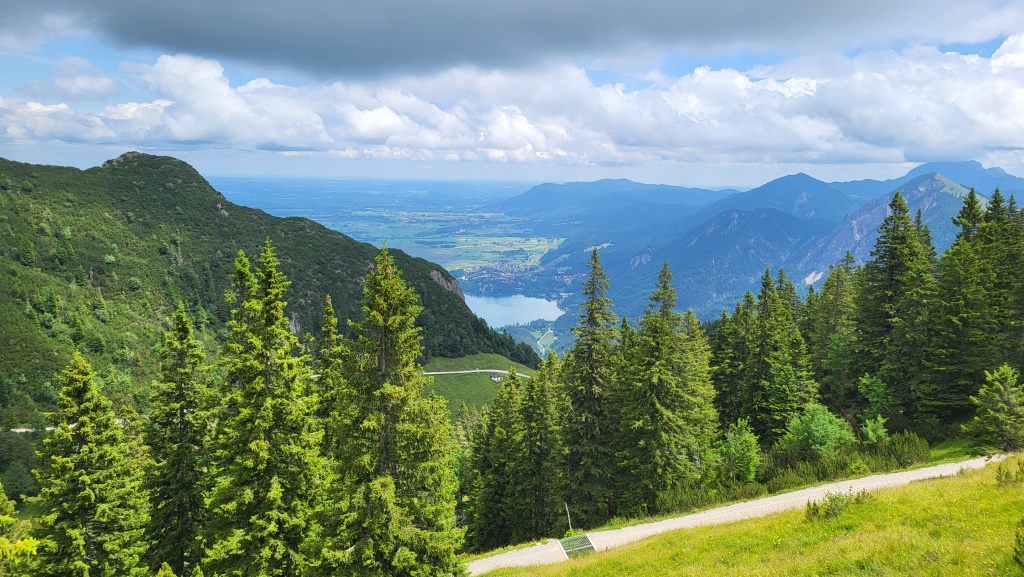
551 552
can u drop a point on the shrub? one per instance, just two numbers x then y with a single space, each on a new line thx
834 503
905 448
740 453
816 432
873 430
1006 473
999 415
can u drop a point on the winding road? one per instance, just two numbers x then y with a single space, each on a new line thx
551 551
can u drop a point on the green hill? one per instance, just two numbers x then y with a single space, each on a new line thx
95 260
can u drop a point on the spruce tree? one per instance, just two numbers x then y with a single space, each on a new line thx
540 488
399 462
892 307
776 382
92 506
498 501
999 418
176 433
590 423
731 352
269 473
832 334
668 422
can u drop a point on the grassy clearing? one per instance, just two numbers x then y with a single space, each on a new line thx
474 389
478 361
961 525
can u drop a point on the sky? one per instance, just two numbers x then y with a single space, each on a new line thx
725 93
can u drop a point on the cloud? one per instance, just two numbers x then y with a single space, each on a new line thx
383 37
875 107
74 79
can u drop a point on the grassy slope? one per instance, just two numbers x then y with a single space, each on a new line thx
475 389
960 525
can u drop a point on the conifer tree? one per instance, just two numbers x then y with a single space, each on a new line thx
541 485
731 353
498 501
832 335
176 433
999 419
776 382
269 472
668 421
697 407
400 477
590 424
92 507
892 307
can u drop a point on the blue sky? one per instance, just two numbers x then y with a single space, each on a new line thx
694 93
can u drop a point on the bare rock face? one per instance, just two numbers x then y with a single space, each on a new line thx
447 282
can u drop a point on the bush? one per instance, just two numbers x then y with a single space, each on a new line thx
873 430
905 449
1010 472
834 503
816 433
740 453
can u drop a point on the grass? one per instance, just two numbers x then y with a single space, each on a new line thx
960 525
477 361
951 451
474 389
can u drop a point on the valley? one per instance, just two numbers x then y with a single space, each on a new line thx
510 240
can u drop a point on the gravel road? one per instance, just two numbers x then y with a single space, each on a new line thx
551 552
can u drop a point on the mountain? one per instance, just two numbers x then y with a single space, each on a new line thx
967 174
798 195
96 260
573 199
938 197
714 263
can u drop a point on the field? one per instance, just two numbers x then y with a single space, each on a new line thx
961 525
474 389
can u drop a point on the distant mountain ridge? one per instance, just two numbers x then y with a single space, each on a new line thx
719 250
968 173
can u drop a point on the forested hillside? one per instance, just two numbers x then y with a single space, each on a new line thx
97 259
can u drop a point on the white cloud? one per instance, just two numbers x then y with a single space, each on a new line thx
877 107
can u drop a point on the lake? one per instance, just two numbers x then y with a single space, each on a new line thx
512 310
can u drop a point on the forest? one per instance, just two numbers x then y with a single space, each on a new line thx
323 457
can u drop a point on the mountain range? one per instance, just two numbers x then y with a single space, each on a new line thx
718 243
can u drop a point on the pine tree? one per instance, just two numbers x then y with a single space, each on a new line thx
590 424
892 307
999 419
832 335
668 422
696 406
541 485
500 462
268 472
776 382
731 353
176 433
92 506
962 334
400 476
